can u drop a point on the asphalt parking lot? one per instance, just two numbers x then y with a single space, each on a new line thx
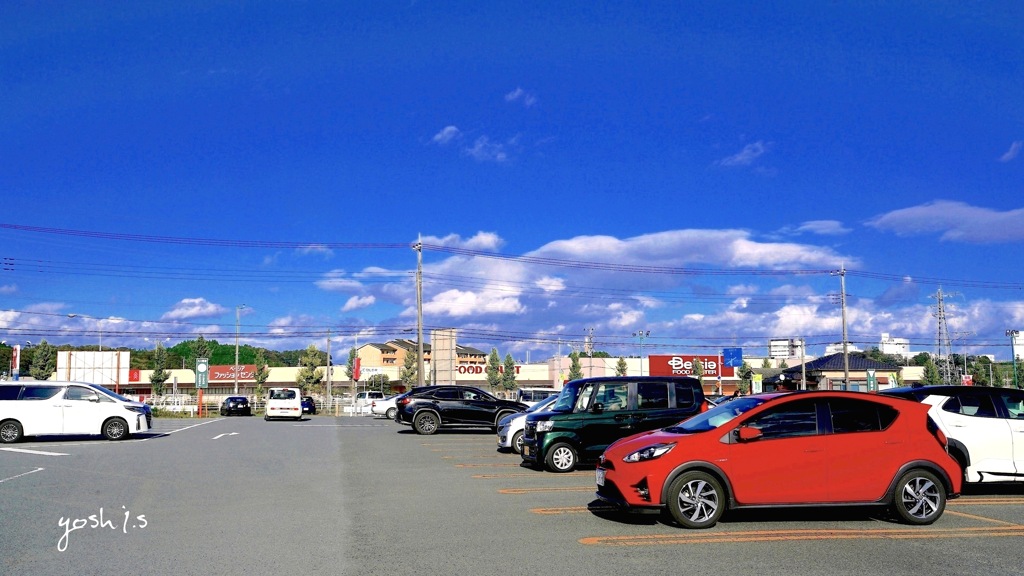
357 495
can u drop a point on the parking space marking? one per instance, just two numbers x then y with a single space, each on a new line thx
22 474
690 537
487 465
572 510
38 452
533 474
547 489
983 518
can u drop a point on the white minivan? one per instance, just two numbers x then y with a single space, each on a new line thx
41 408
284 403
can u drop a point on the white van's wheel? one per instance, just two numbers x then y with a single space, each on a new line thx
10 431
115 429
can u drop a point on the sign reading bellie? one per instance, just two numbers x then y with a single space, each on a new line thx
683 365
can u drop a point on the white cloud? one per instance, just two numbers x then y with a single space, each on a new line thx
191 308
457 303
357 302
550 284
446 135
823 227
520 95
8 289
745 157
954 222
479 241
484 150
338 281
315 250
1012 153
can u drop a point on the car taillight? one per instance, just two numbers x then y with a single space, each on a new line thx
404 401
373 404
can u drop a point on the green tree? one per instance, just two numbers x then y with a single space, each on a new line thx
493 369
379 382
698 370
766 363
44 361
931 373
310 374
408 373
921 359
621 367
575 370
746 378
261 374
508 373
159 375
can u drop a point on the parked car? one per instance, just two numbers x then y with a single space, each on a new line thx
510 429
284 403
789 449
366 397
985 427
308 405
235 405
531 396
430 408
384 407
54 408
591 413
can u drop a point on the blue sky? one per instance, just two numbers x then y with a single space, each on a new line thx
695 169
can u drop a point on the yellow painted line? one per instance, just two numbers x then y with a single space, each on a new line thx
539 490
487 466
693 537
571 510
534 474
986 501
480 457
983 518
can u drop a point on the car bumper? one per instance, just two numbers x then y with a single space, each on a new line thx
632 492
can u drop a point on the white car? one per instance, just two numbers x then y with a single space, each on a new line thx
985 428
284 403
510 428
384 407
42 408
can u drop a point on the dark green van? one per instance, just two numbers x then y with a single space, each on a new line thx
591 413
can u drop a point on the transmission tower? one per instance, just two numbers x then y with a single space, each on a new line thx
943 348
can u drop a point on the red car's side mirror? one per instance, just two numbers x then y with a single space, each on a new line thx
747 434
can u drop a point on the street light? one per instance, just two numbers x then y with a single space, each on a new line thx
238 310
641 334
1013 353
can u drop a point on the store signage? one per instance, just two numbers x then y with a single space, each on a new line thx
227 372
684 365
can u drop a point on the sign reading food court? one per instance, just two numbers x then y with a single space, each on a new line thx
684 365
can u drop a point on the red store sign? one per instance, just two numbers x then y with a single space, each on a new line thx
683 365
245 372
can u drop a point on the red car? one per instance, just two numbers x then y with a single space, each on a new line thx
795 449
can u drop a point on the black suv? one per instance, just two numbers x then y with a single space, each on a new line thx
235 405
591 413
429 408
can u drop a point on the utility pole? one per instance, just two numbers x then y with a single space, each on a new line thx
588 347
238 310
846 347
1013 353
330 365
641 334
418 247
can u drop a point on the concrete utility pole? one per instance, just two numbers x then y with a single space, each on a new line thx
1013 353
238 310
418 247
641 334
846 347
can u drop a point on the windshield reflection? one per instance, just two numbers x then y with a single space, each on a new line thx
717 416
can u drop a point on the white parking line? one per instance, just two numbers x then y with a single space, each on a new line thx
20 475
40 452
